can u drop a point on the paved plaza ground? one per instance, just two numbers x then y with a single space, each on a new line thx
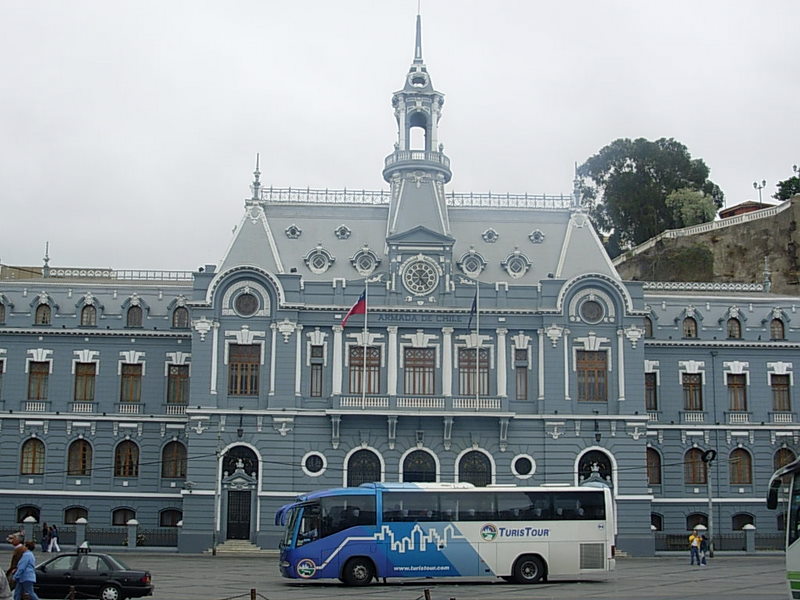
662 578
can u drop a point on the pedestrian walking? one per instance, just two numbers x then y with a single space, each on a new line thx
53 536
45 540
704 549
5 588
25 575
16 541
694 548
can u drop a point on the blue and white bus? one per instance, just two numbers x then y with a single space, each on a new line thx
380 530
788 478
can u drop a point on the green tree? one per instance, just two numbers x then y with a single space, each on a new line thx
690 207
788 187
626 184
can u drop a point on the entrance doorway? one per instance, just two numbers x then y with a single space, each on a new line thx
238 515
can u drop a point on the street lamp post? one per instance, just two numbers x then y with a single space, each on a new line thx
759 187
708 458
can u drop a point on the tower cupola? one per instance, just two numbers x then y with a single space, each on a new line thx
417 109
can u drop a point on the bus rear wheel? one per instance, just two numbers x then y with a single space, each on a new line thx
358 571
528 569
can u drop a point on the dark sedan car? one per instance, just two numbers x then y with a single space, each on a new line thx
92 575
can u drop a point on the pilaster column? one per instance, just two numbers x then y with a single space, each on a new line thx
337 360
540 362
447 361
620 364
272 359
566 364
214 356
502 373
392 364
298 359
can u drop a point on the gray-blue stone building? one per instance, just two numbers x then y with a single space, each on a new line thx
501 347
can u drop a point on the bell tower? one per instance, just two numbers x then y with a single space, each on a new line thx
418 168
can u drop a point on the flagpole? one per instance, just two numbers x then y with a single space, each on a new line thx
364 358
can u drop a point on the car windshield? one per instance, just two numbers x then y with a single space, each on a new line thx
116 563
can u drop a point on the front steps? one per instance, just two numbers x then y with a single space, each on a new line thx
239 548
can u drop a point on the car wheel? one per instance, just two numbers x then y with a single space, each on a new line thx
110 592
358 571
528 569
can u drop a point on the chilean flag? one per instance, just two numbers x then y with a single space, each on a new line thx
359 308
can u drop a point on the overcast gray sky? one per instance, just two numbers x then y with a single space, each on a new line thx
128 130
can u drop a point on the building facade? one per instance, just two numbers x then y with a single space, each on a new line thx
500 347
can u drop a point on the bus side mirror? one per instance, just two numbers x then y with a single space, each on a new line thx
772 494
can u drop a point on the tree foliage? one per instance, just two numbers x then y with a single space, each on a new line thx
690 207
787 188
626 184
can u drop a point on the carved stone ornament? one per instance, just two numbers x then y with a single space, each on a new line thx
202 326
293 232
342 232
490 236
536 236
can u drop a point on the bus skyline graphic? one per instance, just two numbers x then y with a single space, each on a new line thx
416 540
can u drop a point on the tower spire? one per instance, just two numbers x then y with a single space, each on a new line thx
418 44
256 185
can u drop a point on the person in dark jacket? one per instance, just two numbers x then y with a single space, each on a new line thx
45 541
704 548
16 541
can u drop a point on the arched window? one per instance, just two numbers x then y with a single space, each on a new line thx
419 466
28 510
363 466
648 327
739 520
79 458
741 466
88 316
240 455
43 315
74 513
734 329
126 460
475 468
180 318
134 316
170 518
695 519
173 461
32 457
694 469
653 467
689 328
776 329
782 457
656 522
121 516
595 466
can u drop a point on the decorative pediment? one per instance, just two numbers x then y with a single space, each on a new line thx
420 235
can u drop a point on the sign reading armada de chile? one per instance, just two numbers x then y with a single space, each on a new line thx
406 318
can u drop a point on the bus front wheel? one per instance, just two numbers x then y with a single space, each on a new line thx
528 569
358 571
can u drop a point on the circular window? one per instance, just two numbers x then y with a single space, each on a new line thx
517 266
365 263
472 265
523 466
420 278
314 464
246 304
592 311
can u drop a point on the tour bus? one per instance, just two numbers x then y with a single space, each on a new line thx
789 475
380 530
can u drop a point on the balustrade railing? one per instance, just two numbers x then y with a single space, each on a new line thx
693 416
429 402
737 417
35 405
82 407
781 417
472 403
174 409
129 408
652 415
420 402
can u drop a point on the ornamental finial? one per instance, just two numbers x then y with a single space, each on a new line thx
256 185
